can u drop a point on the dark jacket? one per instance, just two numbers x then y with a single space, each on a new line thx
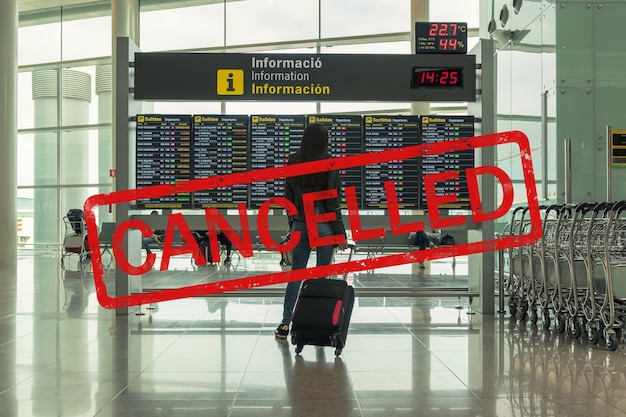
294 194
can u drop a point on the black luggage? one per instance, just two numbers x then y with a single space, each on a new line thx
202 239
76 217
322 313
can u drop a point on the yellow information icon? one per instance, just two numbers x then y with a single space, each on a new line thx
230 82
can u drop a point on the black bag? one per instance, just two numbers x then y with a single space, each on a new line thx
447 240
203 243
322 314
76 218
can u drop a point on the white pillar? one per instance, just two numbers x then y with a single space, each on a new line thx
419 13
125 22
8 132
72 148
104 91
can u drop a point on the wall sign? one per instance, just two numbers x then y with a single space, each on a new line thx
298 77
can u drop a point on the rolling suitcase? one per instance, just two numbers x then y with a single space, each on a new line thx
322 313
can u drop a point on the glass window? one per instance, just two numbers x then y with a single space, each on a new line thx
78 94
39 44
182 107
26 104
25 159
78 157
43 161
86 38
182 28
364 17
402 47
455 11
261 21
270 107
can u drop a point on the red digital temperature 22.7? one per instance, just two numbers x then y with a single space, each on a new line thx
440 38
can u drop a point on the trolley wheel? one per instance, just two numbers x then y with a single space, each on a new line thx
523 312
611 341
299 349
576 329
338 352
546 321
559 324
593 336
534 317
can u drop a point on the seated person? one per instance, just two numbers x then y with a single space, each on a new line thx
223 239
203 240
157 236
421 240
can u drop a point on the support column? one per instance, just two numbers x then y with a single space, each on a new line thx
420 12
69 149
104 91
8 132
124 14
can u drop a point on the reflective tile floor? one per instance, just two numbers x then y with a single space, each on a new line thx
62 355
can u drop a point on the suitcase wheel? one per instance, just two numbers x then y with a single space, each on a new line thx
299 349
338 352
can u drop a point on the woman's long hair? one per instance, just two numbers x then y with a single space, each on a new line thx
314 147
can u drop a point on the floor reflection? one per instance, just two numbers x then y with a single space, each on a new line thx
61 354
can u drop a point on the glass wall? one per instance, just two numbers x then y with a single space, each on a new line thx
526 88
64 81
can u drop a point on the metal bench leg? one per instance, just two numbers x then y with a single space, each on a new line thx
469 309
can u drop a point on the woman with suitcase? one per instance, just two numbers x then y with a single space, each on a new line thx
314 146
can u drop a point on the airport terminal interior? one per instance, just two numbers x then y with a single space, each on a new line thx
515 308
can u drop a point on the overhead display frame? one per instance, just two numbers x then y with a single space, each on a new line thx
301 77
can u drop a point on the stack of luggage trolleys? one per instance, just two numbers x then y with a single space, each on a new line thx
569 274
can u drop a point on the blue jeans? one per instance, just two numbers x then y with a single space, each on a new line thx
146 243
300 259
421 239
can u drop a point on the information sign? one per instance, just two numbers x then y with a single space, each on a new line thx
388 132
272 139
163 157
220 147
446 128
344 140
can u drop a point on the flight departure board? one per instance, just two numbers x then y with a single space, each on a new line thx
388 132
272 139
220 147
344 139
163 157
444 128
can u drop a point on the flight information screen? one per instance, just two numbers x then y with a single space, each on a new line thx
164 156
220 147
446 128
272 139
344 139
387 132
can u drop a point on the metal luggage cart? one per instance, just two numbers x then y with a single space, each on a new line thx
575 291
562 279
531 272
547 243
514 285
613 308
594 255
74 240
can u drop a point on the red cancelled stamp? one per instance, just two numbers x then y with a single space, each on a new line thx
243 241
